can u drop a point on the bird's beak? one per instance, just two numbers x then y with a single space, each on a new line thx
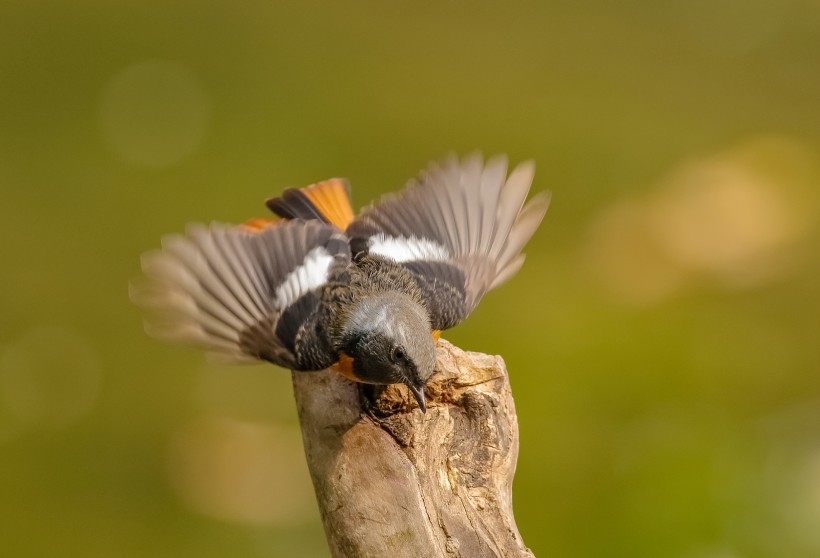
418 393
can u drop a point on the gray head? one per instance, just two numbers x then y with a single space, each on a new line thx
388 335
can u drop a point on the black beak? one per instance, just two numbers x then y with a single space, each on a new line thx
418 393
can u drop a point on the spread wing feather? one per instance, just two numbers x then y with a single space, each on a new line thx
466 216
234 291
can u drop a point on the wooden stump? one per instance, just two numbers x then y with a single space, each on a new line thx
392 482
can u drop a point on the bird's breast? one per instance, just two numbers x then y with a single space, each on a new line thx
345 367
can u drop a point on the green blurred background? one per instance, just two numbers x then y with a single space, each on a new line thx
662 339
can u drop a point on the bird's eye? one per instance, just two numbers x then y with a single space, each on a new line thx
398 354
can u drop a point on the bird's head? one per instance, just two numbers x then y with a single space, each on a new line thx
388 335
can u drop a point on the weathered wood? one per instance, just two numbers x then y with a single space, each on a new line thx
393 482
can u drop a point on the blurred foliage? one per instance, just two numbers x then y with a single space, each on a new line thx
661 339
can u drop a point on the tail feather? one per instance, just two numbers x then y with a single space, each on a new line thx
294 204
327 201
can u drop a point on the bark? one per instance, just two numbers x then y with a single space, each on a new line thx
393 482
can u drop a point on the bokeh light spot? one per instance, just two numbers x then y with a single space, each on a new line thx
49 377
722 26
154 114
728 219
256 393
240 471
627 259
736 217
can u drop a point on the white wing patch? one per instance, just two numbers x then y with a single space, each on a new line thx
311 274
402 249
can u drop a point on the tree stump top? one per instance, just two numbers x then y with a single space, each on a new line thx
392 481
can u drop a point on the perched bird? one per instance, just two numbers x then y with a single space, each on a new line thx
366 296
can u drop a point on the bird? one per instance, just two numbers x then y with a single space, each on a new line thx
314 286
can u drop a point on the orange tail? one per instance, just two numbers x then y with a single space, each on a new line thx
258 223
328 201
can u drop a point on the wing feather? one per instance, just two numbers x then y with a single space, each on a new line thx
210 288
244 272
524 227
223 268
466 215
472 211
226 288
508 271
510 202
176 288
491 181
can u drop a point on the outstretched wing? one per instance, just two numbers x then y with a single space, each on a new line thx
459 227
242 294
